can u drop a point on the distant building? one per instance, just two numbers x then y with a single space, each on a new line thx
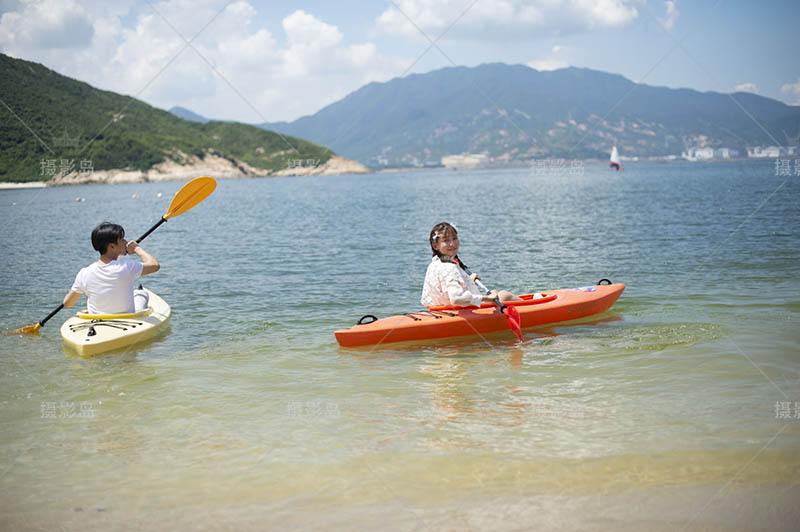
725 153
768 152
704 153
464 161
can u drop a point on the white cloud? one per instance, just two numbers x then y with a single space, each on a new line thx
127 51
747 87
315 46
792 92
45 25
308 32
503 19
672 15
558 58
547 64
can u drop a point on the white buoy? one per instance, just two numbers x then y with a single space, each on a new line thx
158 195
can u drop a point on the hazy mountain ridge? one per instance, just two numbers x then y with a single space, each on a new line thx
513 112
186 114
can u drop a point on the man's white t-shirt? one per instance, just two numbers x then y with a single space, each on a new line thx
108 287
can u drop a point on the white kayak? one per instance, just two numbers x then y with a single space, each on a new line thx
90 334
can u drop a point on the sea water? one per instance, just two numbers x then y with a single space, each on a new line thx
679 409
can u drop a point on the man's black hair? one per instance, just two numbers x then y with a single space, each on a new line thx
104 234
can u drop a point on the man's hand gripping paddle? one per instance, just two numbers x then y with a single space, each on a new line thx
511 313
187 197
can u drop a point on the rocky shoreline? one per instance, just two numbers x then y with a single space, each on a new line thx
213 164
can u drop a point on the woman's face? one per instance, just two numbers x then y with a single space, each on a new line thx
447 244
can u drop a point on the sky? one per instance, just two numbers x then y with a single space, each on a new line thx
266 61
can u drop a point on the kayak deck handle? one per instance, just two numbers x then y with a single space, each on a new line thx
362 318
606 281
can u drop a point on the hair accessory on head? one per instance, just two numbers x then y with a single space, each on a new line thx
437 234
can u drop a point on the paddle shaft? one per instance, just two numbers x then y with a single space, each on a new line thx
161 221
482 287
41 323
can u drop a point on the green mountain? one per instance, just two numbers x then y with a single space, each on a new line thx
46 118
513 112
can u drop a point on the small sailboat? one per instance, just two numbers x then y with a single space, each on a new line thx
614 160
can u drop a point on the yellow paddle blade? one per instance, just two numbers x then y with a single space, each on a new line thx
190 195
30 329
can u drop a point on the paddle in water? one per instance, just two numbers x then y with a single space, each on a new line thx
187 197
510 312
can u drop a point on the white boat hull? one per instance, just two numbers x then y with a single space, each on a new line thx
90 335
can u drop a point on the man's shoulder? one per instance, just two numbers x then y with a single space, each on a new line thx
88 268
132 266
124 263
115 266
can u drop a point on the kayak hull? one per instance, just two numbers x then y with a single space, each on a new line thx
90 335
550 307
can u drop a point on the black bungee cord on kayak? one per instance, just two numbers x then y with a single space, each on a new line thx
435 313
110 323
437 316
116 324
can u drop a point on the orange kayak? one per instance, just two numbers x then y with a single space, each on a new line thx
444 322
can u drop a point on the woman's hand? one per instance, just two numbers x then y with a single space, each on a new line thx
474 277
491 296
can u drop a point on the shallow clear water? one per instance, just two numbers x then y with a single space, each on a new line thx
665 413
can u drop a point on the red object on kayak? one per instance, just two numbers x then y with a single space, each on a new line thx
444 322
513 319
